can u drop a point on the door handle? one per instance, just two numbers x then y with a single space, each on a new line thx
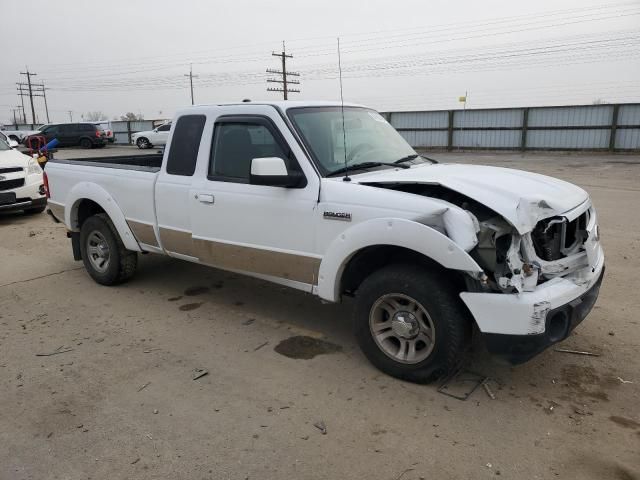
205 198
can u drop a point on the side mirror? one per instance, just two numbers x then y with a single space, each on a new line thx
155 130
272 171
13 143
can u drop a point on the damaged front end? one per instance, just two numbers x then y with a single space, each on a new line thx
519 263
542 268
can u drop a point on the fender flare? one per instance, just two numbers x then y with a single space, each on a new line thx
95 193
388 231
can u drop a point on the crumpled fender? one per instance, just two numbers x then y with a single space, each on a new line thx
388 231
92 191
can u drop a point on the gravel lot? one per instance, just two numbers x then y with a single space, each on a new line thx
120 402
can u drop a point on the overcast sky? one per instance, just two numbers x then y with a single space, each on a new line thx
117 56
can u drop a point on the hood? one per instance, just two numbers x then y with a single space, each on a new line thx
13 158
522 198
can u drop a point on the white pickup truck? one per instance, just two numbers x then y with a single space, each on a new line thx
431 252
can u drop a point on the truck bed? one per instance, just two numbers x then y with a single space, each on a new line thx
147 163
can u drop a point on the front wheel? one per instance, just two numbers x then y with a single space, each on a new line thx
103 253
410 323
143 143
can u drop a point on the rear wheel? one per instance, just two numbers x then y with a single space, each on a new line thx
103 253
143 143
86 143
410 323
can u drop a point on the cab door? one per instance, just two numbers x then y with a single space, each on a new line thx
263 230
173 187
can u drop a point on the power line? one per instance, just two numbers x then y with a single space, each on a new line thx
284 75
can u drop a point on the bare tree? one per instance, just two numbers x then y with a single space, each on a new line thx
95 116
130 116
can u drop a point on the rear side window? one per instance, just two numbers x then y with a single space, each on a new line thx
185 143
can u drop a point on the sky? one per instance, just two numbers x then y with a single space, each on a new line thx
133 56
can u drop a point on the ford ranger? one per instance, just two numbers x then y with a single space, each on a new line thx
332 200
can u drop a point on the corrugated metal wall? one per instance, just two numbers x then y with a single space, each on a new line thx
579 127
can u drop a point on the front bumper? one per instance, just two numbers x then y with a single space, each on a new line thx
559 323
518 326
30 195
23 204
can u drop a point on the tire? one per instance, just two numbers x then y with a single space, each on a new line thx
395 301
143 143
36 210
86 143
99 238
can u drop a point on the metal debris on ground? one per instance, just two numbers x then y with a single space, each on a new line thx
487 389
577 352
260 346
461 384
55 352
249 321
321 426
624 381
199 373
144 386
407 470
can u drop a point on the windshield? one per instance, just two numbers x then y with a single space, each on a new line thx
3 144
369 137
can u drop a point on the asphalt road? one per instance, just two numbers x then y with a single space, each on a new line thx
115 395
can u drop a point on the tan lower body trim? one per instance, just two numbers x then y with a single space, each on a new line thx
299 268
143 232
294 267
176 241
56 210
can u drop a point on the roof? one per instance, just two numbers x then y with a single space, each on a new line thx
282 104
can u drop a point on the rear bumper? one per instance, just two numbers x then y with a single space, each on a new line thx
559 323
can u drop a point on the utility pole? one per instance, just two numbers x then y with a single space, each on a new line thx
46 107
191 76
29 75
22 94
284 75
33 90
70 115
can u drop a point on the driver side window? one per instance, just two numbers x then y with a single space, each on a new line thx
235 145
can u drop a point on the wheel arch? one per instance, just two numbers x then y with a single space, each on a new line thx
372 244
87 199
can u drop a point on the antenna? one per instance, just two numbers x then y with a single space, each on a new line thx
344 132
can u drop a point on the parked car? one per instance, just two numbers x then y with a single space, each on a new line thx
16 135
431 252
85 135
10 141
152 138
21 182
108 131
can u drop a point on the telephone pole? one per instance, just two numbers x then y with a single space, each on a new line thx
284 75
29 75
191 77
70 112
33 90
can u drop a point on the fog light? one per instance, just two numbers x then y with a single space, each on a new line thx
42 190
